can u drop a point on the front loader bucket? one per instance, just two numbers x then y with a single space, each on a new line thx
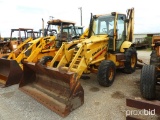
60 92
10 72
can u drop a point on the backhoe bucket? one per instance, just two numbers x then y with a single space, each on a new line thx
10 72
60 92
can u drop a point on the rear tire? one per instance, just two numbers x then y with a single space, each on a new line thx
106 73
45 59
148 82
131 60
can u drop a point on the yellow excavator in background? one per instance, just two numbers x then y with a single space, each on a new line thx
35 50
107 48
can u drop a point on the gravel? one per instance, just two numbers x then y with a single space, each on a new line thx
101 103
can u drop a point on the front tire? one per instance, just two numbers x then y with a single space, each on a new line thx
45 59
106 73
148 82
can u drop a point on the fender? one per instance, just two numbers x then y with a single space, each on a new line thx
125 44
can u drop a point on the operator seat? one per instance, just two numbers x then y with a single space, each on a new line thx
62 37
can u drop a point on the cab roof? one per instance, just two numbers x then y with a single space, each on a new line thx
22 29
58 22
98 15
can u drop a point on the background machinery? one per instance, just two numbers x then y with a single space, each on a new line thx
150 73
107 48
6 46
33 51
14 46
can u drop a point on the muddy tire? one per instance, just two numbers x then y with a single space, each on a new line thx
106 73
45 59
148 82
131 60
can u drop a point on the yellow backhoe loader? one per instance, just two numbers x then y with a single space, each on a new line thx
107 48
34 50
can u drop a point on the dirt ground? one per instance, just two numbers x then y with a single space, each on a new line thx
101 103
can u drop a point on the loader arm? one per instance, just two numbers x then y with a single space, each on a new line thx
11 69
65 51
89 52
22 55
40 47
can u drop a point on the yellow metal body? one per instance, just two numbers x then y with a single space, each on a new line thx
90 52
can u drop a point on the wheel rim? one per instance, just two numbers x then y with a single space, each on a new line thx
111 74
133 60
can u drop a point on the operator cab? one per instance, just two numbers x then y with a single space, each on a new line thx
113 26
66 30
21 34
73 31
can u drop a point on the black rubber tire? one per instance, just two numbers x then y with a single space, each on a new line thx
128 56
154 60
148 82
4 57
104 73
45 59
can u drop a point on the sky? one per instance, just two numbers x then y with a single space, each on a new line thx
29 13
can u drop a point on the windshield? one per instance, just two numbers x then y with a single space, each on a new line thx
103 25
51 30
70 30
79 31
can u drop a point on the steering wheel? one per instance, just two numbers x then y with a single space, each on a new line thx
104 30
111 32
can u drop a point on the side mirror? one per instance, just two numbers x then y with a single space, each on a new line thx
113 13
127 20
94 16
